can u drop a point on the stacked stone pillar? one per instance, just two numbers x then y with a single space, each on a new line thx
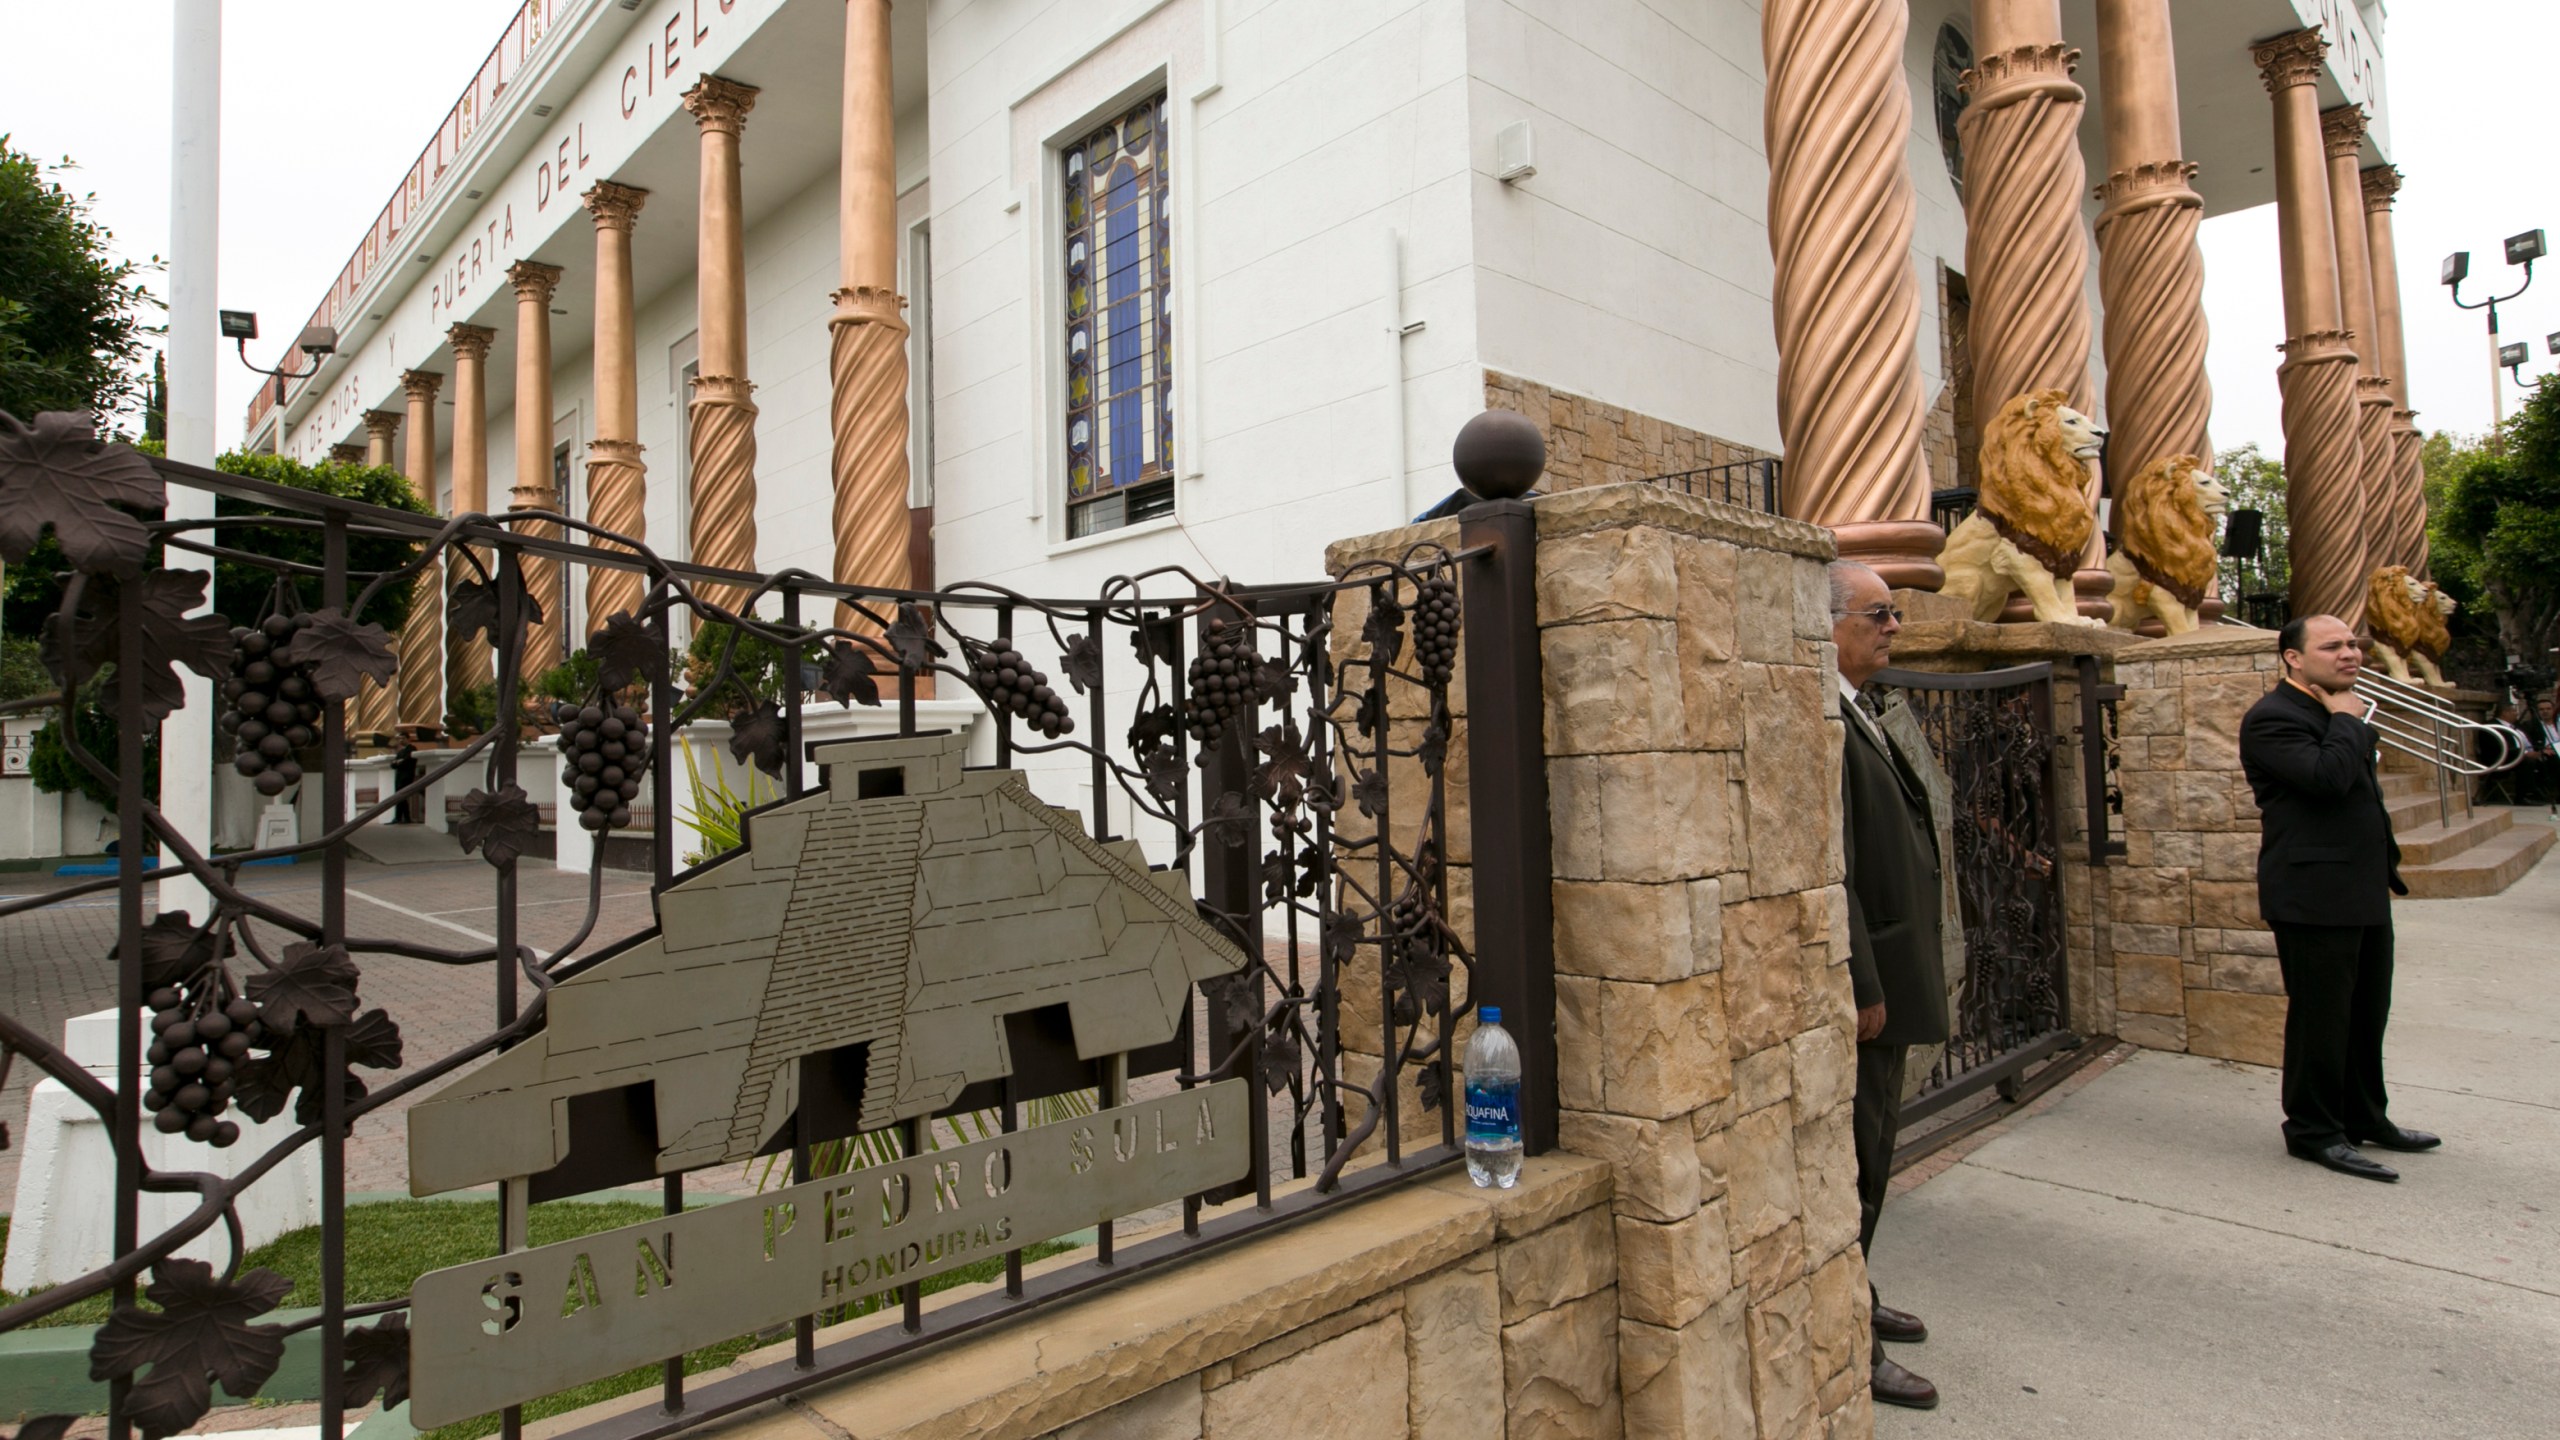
2026 253
421 673
1837 116
723 411
867 354
2323 449
2404 538
534 285
617 479
468 658
2342 136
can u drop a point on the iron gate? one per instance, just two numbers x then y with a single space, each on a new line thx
1993 735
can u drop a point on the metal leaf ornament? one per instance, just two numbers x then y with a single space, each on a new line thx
170 638
911 637
475 606
501 826
626 650
1384 632
54 474
1281 778
1231 816
310 985
199 1334
378 1361
847 676
175 949
1083 664
341 653
757 734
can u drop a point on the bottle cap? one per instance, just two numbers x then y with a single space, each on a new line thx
1489 1014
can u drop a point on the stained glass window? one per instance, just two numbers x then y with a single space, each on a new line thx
1118 255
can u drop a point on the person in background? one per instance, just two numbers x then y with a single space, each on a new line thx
1897 969
2327 869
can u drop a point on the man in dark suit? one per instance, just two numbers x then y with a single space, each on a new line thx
1896 965
2327 869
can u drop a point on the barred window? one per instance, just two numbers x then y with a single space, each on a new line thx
1118 254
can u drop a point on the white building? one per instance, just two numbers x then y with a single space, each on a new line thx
1374 215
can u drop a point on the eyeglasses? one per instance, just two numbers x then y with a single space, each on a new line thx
1879 614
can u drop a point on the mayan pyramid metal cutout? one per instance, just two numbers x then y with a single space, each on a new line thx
906 907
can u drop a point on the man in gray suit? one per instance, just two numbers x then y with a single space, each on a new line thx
1896 962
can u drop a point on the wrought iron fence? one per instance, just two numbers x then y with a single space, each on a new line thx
1992 733
1284 747
1752 484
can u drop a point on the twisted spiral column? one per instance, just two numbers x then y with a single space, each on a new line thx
2026 259
722 416
1837 113
2151 279
534 285
421 673
377 701
2342 137
2407 530
470 658
867 357
2323 449
617 480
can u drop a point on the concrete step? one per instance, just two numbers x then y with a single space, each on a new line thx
2484 869
2396 783
2408 812
2432 843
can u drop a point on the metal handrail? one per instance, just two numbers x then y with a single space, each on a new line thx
2418 724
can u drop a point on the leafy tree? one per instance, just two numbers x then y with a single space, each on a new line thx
72 331
2498 526
2256 482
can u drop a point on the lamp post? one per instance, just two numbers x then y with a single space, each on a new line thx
2522 250
316 341
2511 358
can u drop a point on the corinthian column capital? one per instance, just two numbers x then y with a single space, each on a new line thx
421 384
533 280
346 452
383 424
2028 70
2290 59
2342 131
471 342
2140 187
719 104
615 206
2381 184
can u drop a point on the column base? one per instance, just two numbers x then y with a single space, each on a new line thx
1903 552
2090 589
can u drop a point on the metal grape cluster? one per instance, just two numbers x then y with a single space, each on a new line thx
273 711
199 1041
604 753
1009 682
1435 628
1225 679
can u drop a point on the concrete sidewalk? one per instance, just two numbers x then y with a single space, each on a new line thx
2143 1259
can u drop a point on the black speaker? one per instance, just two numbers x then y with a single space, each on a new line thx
2243 535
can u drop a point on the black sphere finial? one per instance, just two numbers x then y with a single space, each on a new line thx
1499 454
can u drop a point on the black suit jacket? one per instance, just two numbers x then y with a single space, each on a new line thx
2325 852
1896 955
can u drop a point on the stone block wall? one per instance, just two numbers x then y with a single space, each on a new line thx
1590 442
2183 961
1703 1009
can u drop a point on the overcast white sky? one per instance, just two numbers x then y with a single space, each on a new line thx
324 106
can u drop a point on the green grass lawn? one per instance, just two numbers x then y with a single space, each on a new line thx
390 1244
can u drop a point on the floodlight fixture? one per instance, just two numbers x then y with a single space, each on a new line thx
317 340
2526 248
239 324
2514 355
2457 267
2551 342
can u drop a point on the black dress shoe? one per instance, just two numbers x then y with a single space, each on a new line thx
1896 1386
1899 1326
2406 1141
2346 1159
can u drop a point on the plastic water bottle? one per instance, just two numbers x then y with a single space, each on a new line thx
1493 1102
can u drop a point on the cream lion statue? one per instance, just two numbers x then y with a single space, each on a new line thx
2407 616
2030 522
2164 557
